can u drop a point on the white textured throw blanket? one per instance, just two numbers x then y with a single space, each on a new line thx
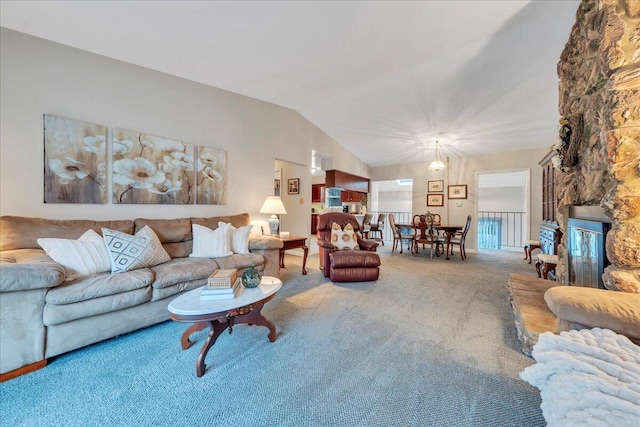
587 378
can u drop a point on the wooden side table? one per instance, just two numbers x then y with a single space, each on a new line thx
295 242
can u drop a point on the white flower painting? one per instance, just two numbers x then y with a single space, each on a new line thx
74 161
150 169
211 164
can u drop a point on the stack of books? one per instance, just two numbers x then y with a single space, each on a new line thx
221 285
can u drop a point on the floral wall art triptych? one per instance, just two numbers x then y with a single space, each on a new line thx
144 169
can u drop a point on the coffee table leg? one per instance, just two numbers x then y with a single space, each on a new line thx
304 260
281 258
255 317
216 328
196 327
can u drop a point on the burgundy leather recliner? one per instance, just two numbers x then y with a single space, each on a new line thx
346 266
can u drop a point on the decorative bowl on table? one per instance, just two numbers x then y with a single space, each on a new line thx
251 277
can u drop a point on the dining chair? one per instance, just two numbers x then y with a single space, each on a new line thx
459 240
425 234
398 236
366 225
377 228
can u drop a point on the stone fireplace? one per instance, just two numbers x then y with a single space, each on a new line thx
599 94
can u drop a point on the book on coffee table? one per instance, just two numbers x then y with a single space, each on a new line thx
221 294
222 278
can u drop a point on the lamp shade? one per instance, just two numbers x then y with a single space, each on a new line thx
273 205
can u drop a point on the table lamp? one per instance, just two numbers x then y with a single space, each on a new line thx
273 205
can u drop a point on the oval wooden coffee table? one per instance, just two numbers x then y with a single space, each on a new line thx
223 314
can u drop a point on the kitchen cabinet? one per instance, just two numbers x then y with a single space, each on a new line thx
317 193
346 181
314 223
351 196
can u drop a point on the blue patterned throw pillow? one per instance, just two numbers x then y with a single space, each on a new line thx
129 252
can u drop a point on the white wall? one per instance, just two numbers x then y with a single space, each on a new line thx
394 201
463 171
501 199
38 77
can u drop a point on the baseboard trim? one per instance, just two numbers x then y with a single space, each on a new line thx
23 370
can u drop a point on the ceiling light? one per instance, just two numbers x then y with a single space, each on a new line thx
437 164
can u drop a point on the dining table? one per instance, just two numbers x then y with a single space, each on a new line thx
448 229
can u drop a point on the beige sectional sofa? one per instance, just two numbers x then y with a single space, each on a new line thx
42 315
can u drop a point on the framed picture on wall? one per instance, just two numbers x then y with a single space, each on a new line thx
294 186
435 199
457 191
435 186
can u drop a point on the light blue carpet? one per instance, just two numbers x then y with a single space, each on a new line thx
432 343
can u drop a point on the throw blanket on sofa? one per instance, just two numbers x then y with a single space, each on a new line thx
587 378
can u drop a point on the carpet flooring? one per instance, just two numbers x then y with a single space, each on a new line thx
432 343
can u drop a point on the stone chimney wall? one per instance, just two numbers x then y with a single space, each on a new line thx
599 90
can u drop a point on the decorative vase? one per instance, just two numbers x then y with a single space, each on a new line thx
251 277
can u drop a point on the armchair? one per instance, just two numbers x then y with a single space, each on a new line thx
346 265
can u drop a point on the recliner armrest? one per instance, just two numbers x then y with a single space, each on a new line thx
326 244
368 245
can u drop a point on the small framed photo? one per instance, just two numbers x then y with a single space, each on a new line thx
457 191
435 186
276 184
294 186
435 199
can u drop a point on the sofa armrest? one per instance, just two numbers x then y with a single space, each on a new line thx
269 247
264 242
24 269
590 307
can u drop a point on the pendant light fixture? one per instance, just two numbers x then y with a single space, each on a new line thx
437 164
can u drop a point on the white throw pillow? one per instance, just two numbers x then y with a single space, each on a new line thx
129 252
239 238
344 240
83 257
208 243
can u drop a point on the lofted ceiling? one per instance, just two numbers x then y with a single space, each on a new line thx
384 79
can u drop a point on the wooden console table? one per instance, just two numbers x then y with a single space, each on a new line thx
295 242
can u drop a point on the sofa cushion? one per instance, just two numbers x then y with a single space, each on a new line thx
174 234
129 252
83 257
169 291
241 261
182 270
618 311
23 269
99 285
208 243
56 314
18 232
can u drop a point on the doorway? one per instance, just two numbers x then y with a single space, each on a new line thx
395 197
503 209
